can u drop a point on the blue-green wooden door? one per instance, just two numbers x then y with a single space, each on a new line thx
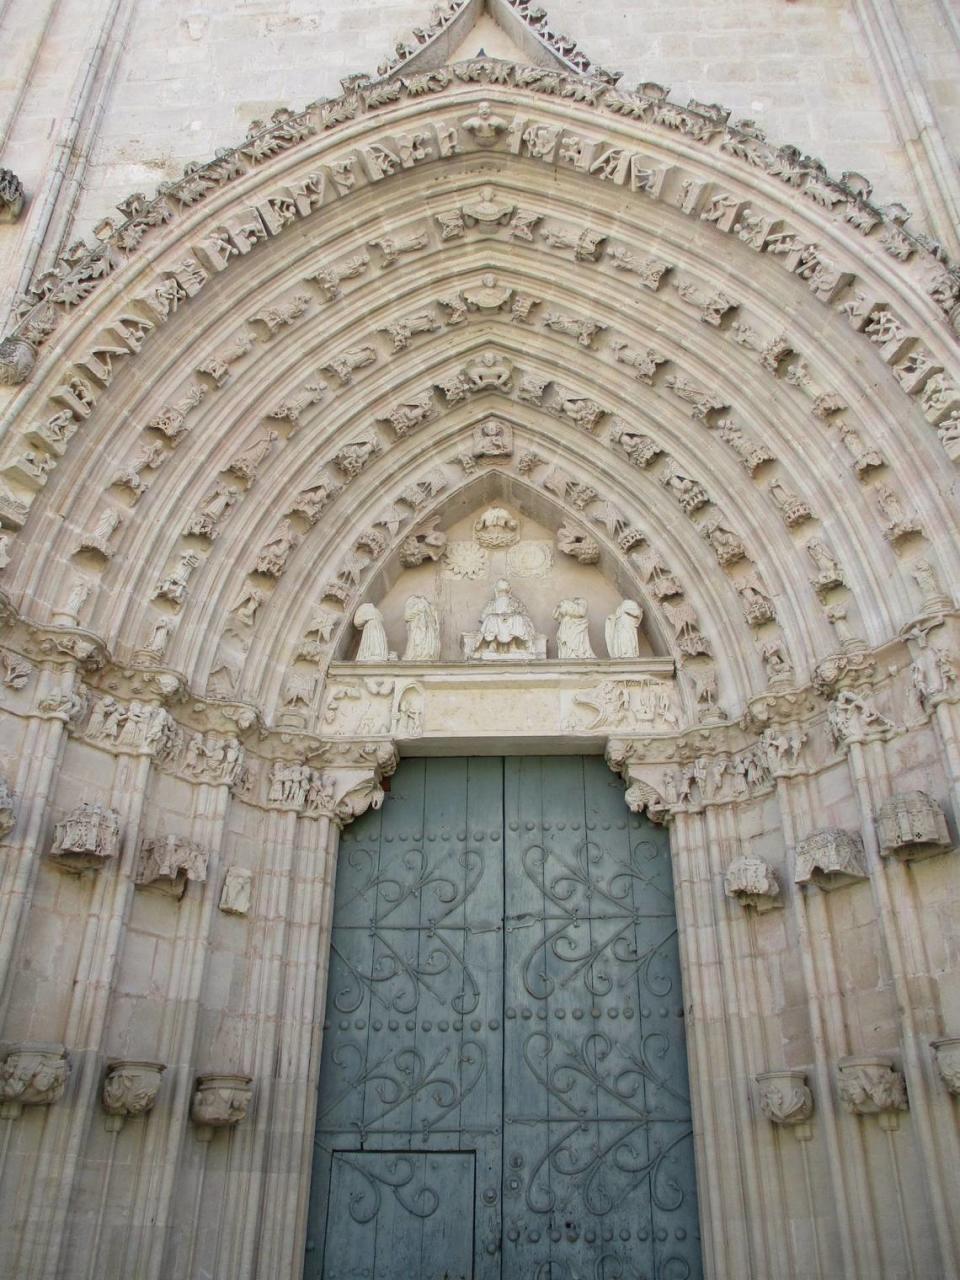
503 1091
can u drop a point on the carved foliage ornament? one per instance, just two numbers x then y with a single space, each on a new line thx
785 1098
130 1088
220 1102
911 825
830 858
871 1086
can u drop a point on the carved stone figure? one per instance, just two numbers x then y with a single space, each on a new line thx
80 591
870 1086
830 859
752 882
785 1098
496 528
248 462
486 210
622 630
313 501
489 372
757 605
492 439
897 524
87 837
793 508
205 520
98 539
374 646
220 1101
168 862
356 455
485 127
573 631
173 587
8 811
426 544
829 573
911 825
506 630
245 610
854 716
236 896
639 448
273 556
689 493
32 1075
423 631
129 1088
932 598
580 546
148 459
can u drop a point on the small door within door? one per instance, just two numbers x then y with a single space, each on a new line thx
503 1092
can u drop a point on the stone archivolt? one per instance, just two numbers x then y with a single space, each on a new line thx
319 409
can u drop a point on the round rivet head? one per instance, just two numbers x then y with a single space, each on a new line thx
661 1234
555 1236
443 1026
514 826
476 1024
461 835
526 1014
643 1234
513 1234
393 1025
624 1234
410 1025
608 1233
494 1024
561 1014
680 1233
344 1025
511 1012
377 1026
578 1014
533 1237
530 826
590 1236
427 1026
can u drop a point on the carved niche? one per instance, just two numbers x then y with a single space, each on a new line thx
871 1086
785 1099
168 862
86 838
220 1102
32 1075
130 1088
752 882
830 859
911 825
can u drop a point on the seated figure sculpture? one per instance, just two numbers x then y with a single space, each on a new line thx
506 629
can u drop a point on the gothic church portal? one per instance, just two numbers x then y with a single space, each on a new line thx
479 661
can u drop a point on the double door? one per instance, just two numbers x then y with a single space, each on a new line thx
503 1090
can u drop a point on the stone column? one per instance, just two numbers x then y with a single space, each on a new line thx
930 1108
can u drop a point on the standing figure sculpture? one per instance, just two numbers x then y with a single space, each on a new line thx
622 630
505 627
573 634
423 631
373 637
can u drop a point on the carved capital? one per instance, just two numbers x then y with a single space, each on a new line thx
32 1075
753 883
947 1052
87 838
786 1100
911 825
871 1086
830 859
220 1102
130 1088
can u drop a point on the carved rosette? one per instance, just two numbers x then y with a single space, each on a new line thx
786 1100
830 859
947 1053
32 1075
871 1086
87 838
911 825
130 1088
753 883
220 1102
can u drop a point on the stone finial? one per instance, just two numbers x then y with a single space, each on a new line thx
786 1100
871 1086
830 859
130 1088
220 1102
86 838
911 825
947 1052
752 882
32 1075
168 862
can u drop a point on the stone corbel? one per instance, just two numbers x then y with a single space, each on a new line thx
641 795
11 197
32 1075
8 810
168 862
947 1053
753 883
354 778
220 1102
911 826
87 838
786 1101
830 859
130 1088
871 1086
